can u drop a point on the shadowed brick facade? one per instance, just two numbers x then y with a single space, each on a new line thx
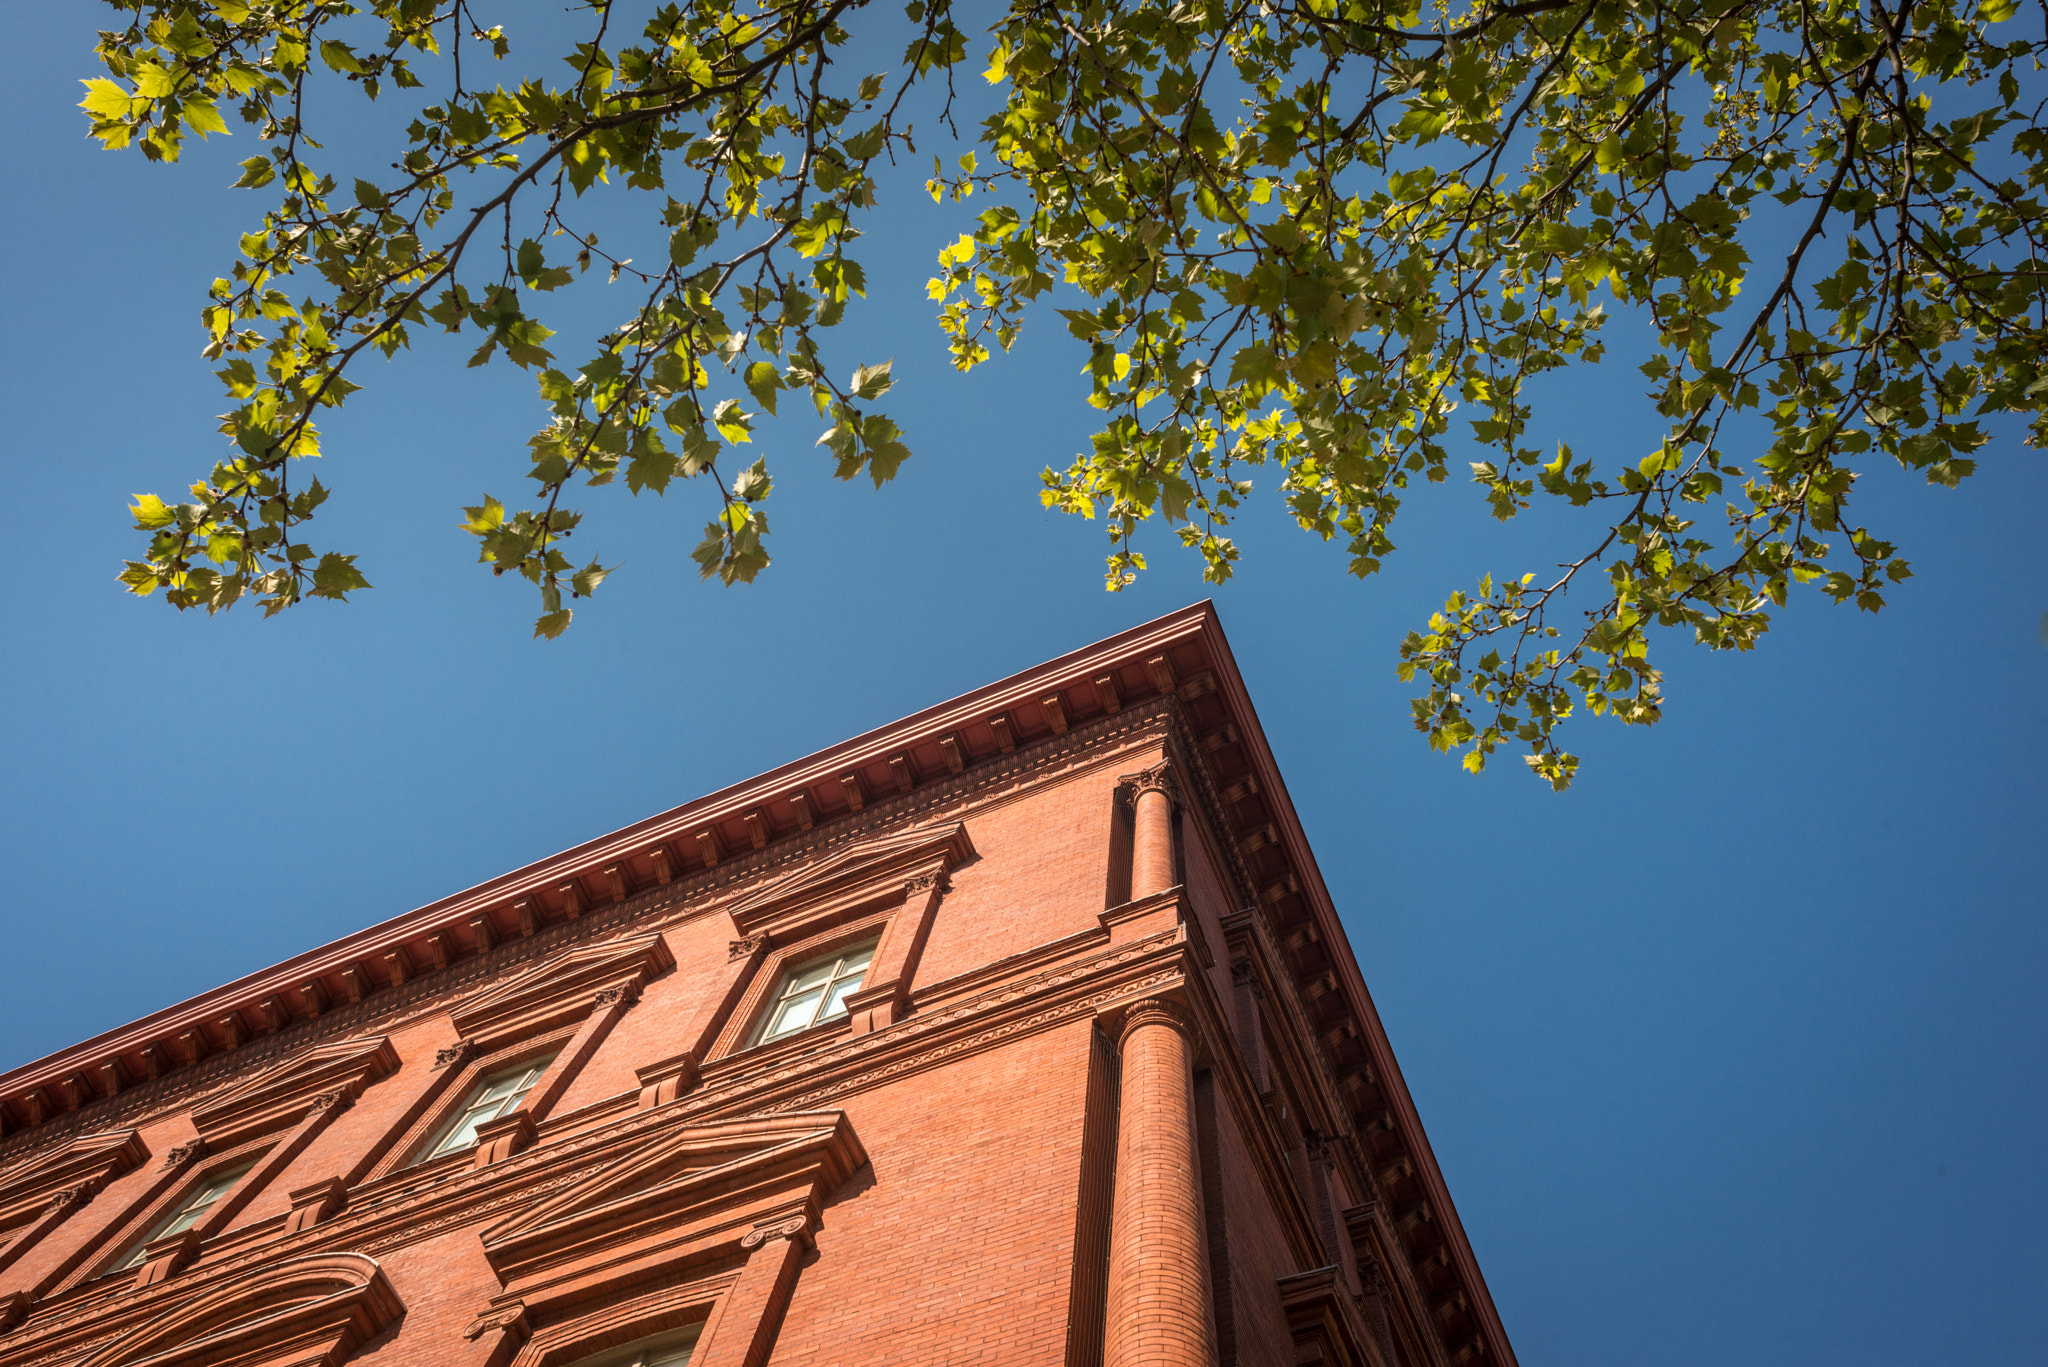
1110 1090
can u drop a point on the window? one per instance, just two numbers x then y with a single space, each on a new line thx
815 991
200 1200
493 1096
663 1350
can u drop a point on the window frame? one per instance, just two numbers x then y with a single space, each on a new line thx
585 1335
157 1221
457 1115
783 981
424 1147
739 1037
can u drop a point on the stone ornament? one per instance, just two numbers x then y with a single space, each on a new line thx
457 1053
780 1229
511 1317
183 1154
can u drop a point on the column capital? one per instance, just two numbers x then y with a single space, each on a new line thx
1157 1011
1157 779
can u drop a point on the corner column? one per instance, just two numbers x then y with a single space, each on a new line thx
1158 1311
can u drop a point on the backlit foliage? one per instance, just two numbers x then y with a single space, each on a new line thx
1298 240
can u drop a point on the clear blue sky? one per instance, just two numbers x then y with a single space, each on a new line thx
1733 1054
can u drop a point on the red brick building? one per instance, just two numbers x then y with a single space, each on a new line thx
1020 1031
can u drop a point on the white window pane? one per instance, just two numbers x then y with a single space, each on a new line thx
463 1135
502 1087
519 1095
794 1015
816 991
809 976
836 1004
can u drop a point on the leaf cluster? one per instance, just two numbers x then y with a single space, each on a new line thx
1299 240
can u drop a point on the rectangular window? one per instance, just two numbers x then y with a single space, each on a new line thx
493 1096
815 991
190 1212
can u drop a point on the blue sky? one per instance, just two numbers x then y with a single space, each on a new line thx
1735 1052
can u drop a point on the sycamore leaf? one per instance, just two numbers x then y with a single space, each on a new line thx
872 381
105 100
150 513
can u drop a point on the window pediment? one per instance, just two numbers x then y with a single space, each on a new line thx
845 881
687 1186
91 1163
284 1095
308 1310
558 991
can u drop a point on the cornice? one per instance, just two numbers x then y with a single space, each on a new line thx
984 783
893 760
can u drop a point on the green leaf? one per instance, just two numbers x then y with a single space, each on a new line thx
153 81
764 384
105 100
339 56
150 513
732 424
872 382
336 576
202 118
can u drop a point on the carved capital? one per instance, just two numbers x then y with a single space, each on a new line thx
337 1100
613 995
928 881
1370 1280
1158 779
511 1317
795 1226
456 1054
185 1153
1156 1011
1241 971
740 949
72 1197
